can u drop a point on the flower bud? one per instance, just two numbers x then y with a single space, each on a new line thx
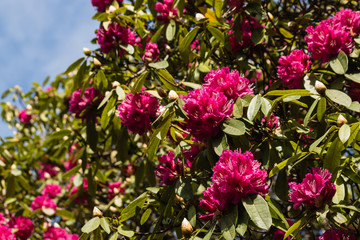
320 87
97 63
271 17
186 228
13 167
113 209
112 9
199 16
97 212
29 107
341 121
162 92
173 95
115 84
87 51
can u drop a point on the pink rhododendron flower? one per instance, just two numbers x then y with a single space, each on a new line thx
326 40
51 190
152 53
24 117
74 190
101 4
246 27
137 110
293 68
169 170
315 191
235 176
6 233
114 189
2 219
279 234
336 234
354 91
41 202
348 20
195 45
191 154
47 169
237 4
24 227
114 36
56 233
78 102
229 83
206 110
166 11
272 123
129 170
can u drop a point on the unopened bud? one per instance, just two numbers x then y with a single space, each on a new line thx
29 107
173 95
116 190
112 9
292 25
186 228
162 92
113 209
13 167
271 17
320 87
199 16
97 212
97 63
47 175
341 121
115 84
87 51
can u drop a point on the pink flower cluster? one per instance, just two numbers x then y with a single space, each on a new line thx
114 36
170 170
152 53
51 190
24 117
315 191
23 225
102 4
166 11
293 68
246 27
43 202
195 45
235 176
272 123
137 110
236 4
336 234
79 103
46 170
114 189
348 20
56 233
74 190
229 83
6 233
327 39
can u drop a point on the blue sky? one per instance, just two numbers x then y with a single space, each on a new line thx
40 38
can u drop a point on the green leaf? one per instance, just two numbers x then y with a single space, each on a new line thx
84 236
71 172
65 214
171 30
80 76
128 48
228 222
105 225
145 216
125 231
293 227
105 117
101 79
105 99
333 155
192 85
340 191
308 114
353 77
344 133
130 209
114 236
254 107
338 97
316 143
91 225
321 109
298 92
192 215
60 134
218 5
347 207
258 210
74 65
188 39
234 127
120 92
258 35
286 33
158 33
217 34
161 132
139 82
243 222
355 106
159 65
238 108
339 64
15 172
220 143
287 162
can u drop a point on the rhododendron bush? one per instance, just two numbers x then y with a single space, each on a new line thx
195 120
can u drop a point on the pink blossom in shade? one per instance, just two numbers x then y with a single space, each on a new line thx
169 170
129 170
24 227
246 27
114 189
101 4
206 111
56 233
47 169
229 83
279 234
114 36
336 234
326 40
191 154
24 117
166 11
272 123
41 202
236 4
354 91
293 68
235 176
315 191
137 111
195 45
51 190
74 190
79 103
348 20
6 233
152 53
